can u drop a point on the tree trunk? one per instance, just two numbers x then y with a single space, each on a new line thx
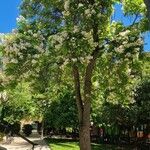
84 128
84 101
83 113
84 135
42 130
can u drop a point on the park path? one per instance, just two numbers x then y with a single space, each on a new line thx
20 144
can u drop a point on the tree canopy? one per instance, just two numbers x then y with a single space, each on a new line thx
78 42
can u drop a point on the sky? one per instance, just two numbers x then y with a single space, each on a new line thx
9 11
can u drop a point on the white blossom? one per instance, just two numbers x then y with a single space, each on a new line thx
87 11
74 59
36 56
76 29
80 5
124 33
15 61
128 55
120 49
96 84
66 13
34 61
89 57
93 12
125 42
139 41
20 19
35 35
67 5
14 31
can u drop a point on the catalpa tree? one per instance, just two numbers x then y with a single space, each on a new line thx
77 36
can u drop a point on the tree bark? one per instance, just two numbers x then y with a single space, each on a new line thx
84 135
147 3
83 113
84 102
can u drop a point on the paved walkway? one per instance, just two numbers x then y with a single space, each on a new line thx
20 144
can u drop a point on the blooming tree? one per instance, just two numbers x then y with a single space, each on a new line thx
80 36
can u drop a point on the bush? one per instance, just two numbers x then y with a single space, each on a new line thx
27 129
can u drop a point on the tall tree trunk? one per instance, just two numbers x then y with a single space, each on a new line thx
84 101
84 134
83 114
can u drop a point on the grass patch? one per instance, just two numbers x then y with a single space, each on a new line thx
65 144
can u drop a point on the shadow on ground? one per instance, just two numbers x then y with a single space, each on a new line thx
3 148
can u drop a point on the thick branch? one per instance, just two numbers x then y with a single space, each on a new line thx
90 67
78 92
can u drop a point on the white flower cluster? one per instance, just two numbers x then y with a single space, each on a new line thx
20 19
86 59
76 29
58 39
124 33
80 5
67 5
120 49
66 61
66 8
88 36
82 60
89 12
16 44
127 40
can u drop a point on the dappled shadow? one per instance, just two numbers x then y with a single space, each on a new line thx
39 142
3 148
59 140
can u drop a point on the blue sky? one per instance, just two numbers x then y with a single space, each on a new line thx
9 12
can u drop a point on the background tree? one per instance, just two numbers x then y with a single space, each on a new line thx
62 112
18 105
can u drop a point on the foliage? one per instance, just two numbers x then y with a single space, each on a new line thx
134 7
131 115
55 36
122 46
19 104
62 112
146 65
142 98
